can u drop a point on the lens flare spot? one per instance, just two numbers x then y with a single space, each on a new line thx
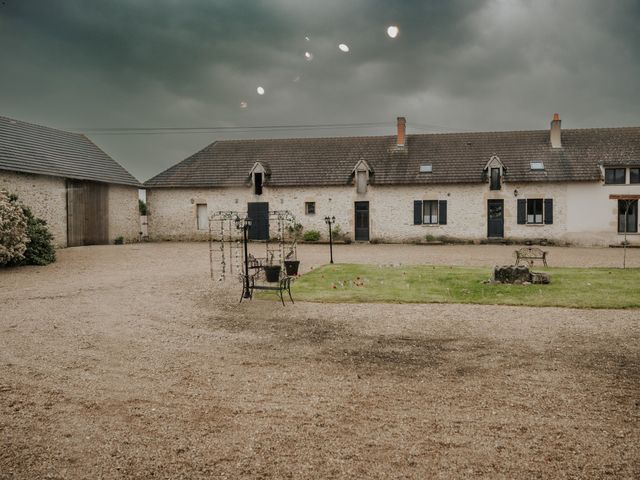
343 47
393 31
307 39
296 78
260 90
308 56
244 104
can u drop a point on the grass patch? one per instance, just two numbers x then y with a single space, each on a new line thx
570 287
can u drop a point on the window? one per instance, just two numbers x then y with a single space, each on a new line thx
631 216
361 182
430 212
257 183
202 217
534 210
427 168
537 166
614 176
634 175
310 208
495 179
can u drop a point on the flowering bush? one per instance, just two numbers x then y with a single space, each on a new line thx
13 230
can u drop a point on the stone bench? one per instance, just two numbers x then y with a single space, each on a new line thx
529 254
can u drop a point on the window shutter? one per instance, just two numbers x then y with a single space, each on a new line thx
417 212
548 211
522 211
442 212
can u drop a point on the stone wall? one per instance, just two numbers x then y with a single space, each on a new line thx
44 195
124 216
172 211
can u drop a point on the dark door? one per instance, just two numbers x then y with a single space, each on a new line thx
87 213
495 216
362 221
258 212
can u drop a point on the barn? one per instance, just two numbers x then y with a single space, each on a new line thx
84 195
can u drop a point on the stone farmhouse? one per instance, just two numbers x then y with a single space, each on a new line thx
84 195
565 186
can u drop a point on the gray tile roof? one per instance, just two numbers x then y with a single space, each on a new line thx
455 157
29 148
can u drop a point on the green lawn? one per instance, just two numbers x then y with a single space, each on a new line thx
570 287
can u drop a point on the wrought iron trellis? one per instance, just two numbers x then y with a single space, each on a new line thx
222 229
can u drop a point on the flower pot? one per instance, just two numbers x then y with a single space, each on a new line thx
272 272
291 267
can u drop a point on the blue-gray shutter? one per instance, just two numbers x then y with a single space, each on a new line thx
417 212
442 212
548 211
522 211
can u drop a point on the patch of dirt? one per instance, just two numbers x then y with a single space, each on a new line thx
138 366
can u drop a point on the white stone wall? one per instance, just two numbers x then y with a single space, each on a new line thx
592 218
124 215
44 195
172 211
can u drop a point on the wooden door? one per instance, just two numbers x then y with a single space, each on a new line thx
495 218
87 213
362 221
258 212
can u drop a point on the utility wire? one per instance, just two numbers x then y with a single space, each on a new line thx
246 128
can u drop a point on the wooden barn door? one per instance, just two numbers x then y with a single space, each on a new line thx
87 213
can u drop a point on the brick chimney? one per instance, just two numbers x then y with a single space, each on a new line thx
402 131
555 134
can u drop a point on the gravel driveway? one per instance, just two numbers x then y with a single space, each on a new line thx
128 362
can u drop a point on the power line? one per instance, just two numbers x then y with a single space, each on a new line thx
246 128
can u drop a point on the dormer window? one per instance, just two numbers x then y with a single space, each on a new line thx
537 166
495 178
257 183
361 173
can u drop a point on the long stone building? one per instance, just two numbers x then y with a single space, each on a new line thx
84 195
564 186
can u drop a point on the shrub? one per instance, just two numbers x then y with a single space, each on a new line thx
13 230
311 236
119 240
295 230
40 249
142 206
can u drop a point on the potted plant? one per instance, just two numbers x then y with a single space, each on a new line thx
291 263
271 271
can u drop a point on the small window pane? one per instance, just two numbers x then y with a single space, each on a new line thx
634 175
310 208
361 180
203 219
537 166
430 212
257 180
614 176
631 216
534 210
495 179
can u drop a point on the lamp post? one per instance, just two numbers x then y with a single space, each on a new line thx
330 221
244 224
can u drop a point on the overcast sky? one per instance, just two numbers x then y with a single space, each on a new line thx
456 65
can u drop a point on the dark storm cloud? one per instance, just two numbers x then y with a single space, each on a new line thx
493 64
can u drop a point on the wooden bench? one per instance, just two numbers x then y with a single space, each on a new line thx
529 254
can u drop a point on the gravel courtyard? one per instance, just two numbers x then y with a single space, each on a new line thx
128 362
